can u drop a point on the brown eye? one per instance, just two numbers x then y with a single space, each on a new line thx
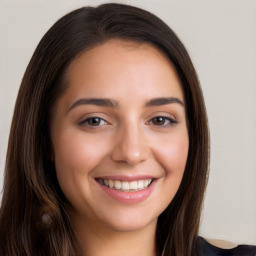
93 121
159 120
162 121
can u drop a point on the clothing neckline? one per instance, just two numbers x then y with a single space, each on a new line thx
219 249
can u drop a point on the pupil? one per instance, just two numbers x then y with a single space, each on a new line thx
159 120
94 121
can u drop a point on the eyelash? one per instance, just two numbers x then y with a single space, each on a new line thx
86 121
170 121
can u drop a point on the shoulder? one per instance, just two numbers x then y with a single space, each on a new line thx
215 247
221 243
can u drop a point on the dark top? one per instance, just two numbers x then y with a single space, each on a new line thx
206 249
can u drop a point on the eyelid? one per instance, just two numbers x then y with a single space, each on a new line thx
88 118
163 114
167 116
83 120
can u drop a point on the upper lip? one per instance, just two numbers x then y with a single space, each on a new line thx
127 177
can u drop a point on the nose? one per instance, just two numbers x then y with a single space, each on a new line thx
130 146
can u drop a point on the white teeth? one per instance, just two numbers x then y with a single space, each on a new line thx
111 183
133 185
140 184
146 183
125 185
118 184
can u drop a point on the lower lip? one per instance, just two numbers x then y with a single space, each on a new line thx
129 197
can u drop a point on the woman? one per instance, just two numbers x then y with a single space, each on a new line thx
108 152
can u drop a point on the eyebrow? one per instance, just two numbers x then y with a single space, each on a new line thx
95 101
163 101
114 104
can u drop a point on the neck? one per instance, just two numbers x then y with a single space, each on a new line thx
103 241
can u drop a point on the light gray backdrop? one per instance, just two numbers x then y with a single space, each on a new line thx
221 39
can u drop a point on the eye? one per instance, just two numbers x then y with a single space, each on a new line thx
162 121
93 121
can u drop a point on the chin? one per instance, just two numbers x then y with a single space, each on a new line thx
131 225
128 220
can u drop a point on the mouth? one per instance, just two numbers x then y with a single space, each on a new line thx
127 189
126 186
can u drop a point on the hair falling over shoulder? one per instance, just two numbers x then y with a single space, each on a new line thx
34 215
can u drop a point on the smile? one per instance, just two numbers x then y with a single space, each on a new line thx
127 189
126 186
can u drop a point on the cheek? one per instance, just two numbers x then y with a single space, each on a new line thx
172 154
75 149
76 155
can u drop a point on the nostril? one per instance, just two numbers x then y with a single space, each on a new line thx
130 146
130 155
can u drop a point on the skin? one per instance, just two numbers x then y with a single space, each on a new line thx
127 141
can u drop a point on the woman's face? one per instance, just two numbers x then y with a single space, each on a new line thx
120 140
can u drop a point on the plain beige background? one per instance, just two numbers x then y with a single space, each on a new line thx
220 36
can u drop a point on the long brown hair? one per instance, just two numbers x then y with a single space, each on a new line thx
33 215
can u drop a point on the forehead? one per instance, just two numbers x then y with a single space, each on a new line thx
123 67
114 47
